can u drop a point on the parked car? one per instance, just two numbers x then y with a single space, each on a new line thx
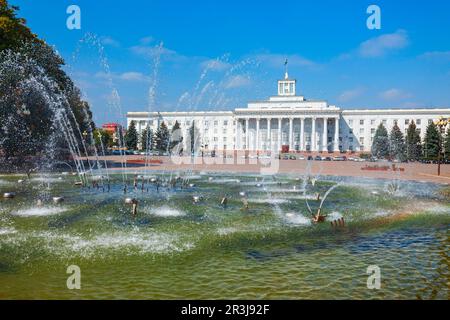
328 159
292 157
301 158
339 158
318 158
310 158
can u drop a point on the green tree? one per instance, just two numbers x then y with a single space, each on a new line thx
397 148
176 138
131 137
104 137
380 145
13 30
162 137
413 143
431 142
146 139
447 145
32 86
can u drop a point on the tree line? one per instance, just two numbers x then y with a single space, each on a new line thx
161 140
33 85
396 146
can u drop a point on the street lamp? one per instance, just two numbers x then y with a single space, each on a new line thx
441 123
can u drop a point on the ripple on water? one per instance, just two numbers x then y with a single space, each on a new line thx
165 211
7 230
269 200
296 219
39 211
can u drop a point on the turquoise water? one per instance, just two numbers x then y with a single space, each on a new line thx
175 248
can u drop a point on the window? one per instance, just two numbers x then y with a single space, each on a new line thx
419 122
224 131
361 131
430 121
361 122
188 123
406 122
350 139
361 140
384 122
372 131
350 123
215 139
206 123
216 123
225 122
372 122
350 131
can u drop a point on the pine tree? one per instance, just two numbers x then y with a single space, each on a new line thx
176 138
380 145
447 145
397 149
131 138
413 143
431 142
146 139
162 137
193 137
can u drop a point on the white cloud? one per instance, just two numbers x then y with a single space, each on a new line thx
384 44
109 41
133 76
436 55
126 76
237 81
349 95
215 65
147 40
394 94
154 51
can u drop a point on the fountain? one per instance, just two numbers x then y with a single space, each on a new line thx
58 199
9 195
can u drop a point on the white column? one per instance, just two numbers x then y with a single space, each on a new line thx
325 135
257 134
302 134
247 136
313 134
279 134
269 134
291 131
238 134
336 135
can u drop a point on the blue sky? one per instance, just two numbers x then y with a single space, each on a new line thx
221 54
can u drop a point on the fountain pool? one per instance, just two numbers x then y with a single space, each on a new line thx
177 248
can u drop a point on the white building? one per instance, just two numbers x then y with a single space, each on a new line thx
288 122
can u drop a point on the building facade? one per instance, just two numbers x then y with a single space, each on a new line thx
288 122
